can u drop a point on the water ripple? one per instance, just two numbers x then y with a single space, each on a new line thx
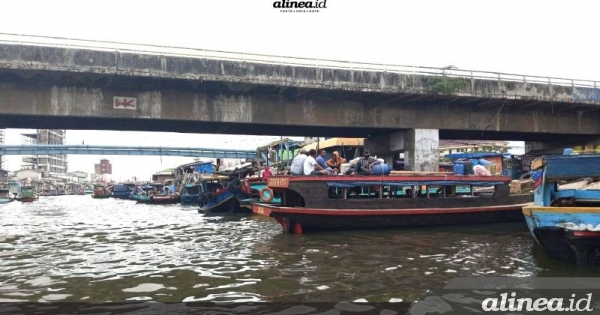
75 248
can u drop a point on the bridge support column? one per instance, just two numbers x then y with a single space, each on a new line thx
420 148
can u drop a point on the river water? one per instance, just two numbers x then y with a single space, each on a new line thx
75 249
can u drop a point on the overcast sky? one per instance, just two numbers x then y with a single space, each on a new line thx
548 38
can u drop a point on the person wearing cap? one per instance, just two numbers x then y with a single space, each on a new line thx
297 167
364 166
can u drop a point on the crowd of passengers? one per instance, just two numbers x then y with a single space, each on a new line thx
308 163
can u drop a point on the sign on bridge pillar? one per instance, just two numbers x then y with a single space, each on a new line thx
123 102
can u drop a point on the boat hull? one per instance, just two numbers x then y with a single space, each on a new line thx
28 199
5 200
189 199
161 200
227 202
302 220
100 196
570 234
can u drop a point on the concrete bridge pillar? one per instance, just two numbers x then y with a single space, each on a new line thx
420 148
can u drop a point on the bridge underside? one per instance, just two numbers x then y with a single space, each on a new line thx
83 101
182 126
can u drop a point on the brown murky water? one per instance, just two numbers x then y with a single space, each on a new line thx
75 248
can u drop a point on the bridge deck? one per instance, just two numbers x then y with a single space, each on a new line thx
122 150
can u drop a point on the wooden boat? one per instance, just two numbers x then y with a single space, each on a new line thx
224 194
565 216
100 192
190 193
145 195
122 191
28 194
327 203
5 196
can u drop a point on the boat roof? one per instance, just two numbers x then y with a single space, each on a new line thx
569 166
336 142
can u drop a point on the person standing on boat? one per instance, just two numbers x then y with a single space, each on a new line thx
321 161
364 166
297 167
267 173
311 167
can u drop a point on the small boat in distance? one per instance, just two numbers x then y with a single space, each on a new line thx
403 199
565 216
100 192
28 194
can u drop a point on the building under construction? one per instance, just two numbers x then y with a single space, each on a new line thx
50 165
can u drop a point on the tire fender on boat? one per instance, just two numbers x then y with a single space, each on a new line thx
235 184
267 198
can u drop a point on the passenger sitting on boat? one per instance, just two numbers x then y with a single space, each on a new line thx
352 165
311 167
321 161
365 164
297 167
267 173
336 161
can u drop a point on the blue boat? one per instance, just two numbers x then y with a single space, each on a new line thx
219 195
565 216
122 191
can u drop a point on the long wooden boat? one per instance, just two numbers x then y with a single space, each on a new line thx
328 203
565 216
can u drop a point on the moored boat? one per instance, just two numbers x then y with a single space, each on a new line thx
565 216
190 193
5 195
225 190
150 194
405 199
122 191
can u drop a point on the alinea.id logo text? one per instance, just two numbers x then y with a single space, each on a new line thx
300 6
504 303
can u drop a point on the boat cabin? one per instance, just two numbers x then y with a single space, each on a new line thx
370 192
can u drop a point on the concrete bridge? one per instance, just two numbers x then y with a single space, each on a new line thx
124 150
77 84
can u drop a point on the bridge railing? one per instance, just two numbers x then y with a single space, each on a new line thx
64 42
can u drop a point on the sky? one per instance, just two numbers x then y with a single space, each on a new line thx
546 38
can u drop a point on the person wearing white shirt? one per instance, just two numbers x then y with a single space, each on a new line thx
297 167
310 165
